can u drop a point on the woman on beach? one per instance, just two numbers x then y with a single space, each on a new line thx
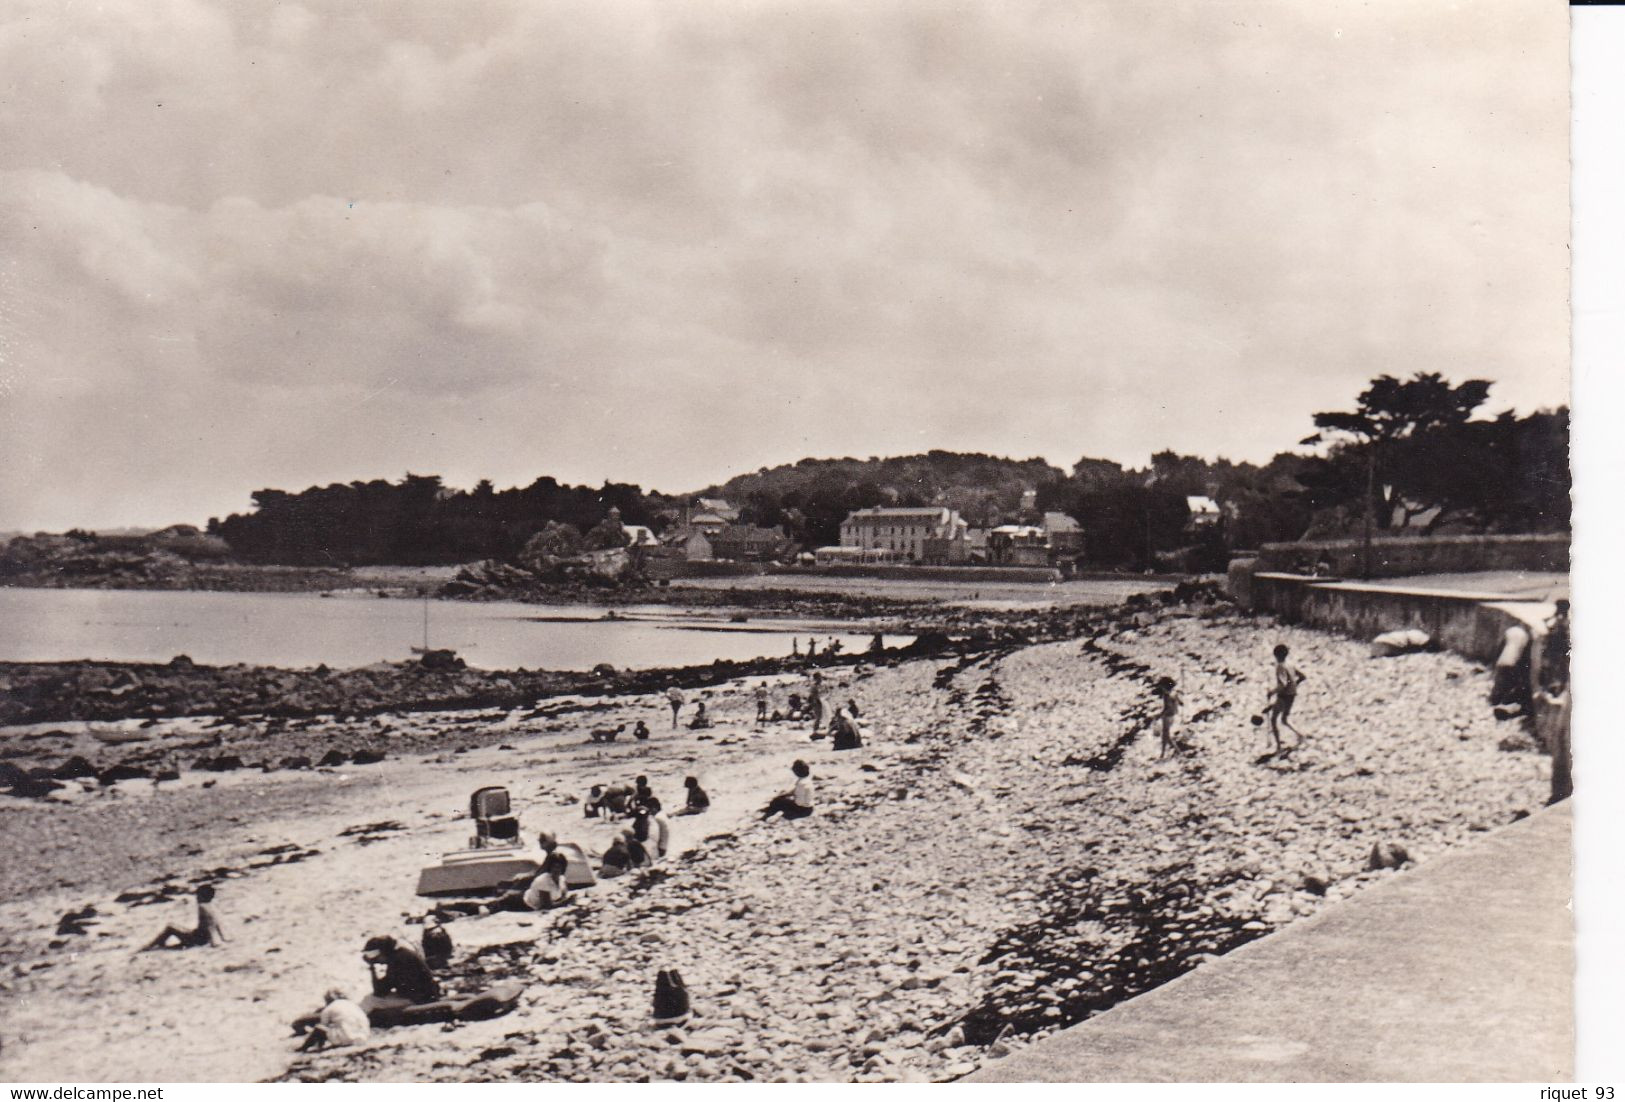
674 696
843 729
658 841
551 888
815 701
796 803
406 980
207 932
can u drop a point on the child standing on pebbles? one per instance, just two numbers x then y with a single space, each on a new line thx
1171 702
1282 696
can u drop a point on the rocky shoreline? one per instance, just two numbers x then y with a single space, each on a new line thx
266 718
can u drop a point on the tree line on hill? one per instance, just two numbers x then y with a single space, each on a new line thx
419 521
1409 455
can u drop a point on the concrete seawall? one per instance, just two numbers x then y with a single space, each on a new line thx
1472 624
1460 970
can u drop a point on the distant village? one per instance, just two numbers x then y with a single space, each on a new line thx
710 530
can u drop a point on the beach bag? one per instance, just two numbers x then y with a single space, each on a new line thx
437 946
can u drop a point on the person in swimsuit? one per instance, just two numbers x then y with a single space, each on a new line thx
815 701
1282 697
674 695
698 801
1171 701
207 932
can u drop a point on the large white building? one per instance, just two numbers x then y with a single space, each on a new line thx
901 530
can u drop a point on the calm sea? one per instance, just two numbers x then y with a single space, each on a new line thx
275 629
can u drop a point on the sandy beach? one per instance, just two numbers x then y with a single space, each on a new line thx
1006 856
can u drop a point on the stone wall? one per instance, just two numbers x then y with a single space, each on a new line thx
1393 557
989 574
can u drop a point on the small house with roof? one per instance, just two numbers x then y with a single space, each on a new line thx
748 543
1204 511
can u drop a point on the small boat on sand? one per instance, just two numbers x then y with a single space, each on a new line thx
495 854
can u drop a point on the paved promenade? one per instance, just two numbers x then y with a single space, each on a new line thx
1460 970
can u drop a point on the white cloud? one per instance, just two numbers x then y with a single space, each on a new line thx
663 242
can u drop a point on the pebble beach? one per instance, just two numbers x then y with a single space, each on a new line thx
1006 856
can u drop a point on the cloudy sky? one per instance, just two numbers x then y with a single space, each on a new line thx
255 244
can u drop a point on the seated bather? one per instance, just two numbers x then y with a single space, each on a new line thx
405 980
207 932
547 889
698 801
624 854
845 732
340 1022
796 803
616 800
551 887
700 720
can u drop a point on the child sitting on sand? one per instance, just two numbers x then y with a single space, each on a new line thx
624 854
341 1022
700 720
641 731
698 801
208 930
